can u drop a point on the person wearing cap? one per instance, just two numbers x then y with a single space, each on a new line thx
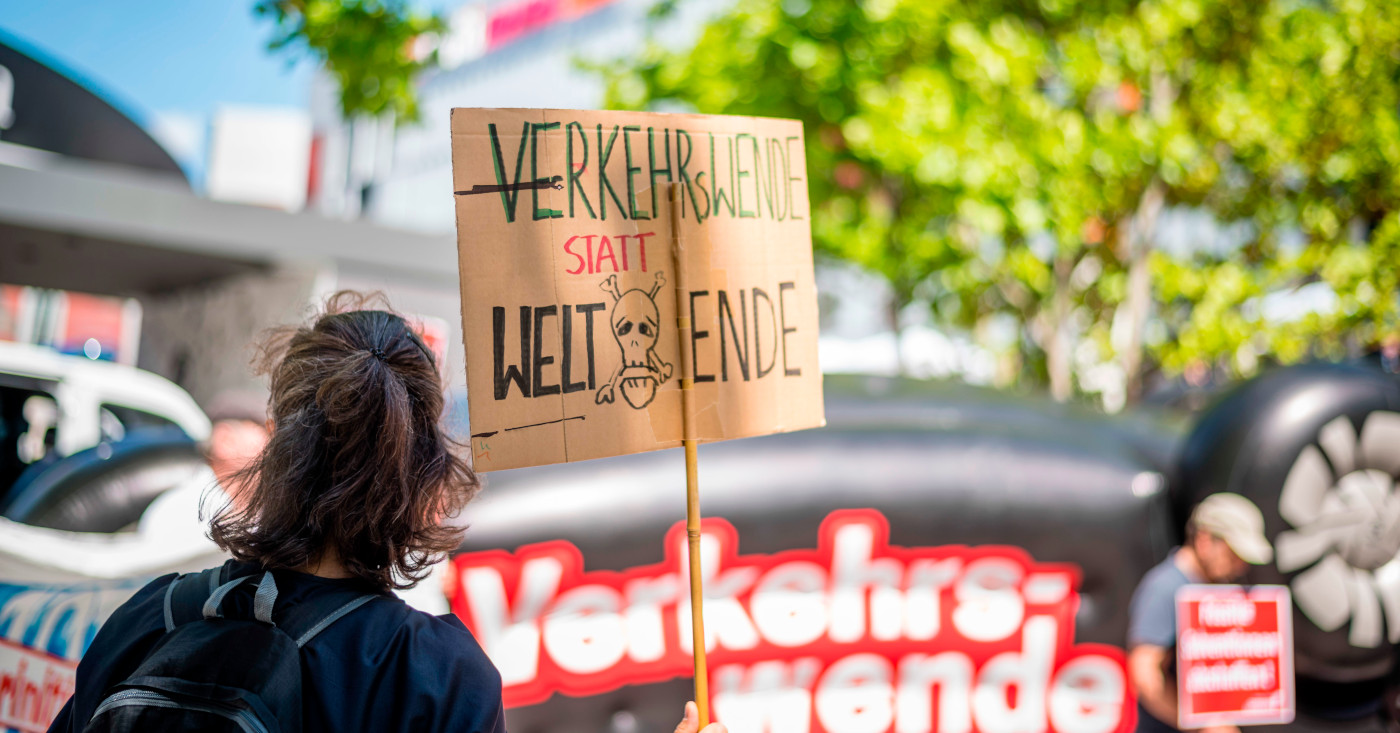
1224 536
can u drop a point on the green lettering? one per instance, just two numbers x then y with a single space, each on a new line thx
510 194
792 209
681 163
775 152
720 197
739 186
651 161
535 129
631 186
765 190
574 173
603 183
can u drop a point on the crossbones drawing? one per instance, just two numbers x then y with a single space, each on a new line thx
635 323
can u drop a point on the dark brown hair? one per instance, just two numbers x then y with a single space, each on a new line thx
357 464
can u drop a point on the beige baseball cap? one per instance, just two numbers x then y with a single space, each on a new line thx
1236 520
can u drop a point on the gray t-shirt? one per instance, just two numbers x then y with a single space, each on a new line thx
1152 620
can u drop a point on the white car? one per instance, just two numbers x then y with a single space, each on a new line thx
82 443
84 389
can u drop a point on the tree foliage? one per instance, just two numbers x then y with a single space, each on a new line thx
366 45
1011 161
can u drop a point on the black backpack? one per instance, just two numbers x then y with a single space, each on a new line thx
211 673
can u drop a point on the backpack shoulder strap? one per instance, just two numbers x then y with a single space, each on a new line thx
198 595
185 596
305 620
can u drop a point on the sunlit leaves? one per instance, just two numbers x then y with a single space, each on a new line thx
366 45
991 157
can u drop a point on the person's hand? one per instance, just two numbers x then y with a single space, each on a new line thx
691 722
1220 729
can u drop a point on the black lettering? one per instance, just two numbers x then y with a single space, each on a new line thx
542 389
518 374
588 309
757 350
695 336
782 313
567 363
741 356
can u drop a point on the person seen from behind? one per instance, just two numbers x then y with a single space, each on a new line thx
1224 536
346 502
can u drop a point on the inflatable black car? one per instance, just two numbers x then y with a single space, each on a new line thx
950 564
956 549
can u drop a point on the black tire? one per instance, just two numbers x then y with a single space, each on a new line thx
107 487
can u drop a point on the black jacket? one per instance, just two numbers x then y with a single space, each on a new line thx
383 667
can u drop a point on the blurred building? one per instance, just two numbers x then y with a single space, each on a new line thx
91 203
260 156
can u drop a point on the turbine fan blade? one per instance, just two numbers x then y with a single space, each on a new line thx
1307 481
1380 442
1365 490
1294 550
1338 440
1366 611
1388 588
1321 593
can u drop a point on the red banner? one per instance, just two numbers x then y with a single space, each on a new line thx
1234 655
855 635
33 686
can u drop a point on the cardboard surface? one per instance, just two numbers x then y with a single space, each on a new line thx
1234 655
569 284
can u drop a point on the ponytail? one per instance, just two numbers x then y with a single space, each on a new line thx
358 464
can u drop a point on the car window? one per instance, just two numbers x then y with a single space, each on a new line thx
23 401
118 421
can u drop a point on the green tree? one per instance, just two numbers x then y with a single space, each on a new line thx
366 45
1306 113
1011 159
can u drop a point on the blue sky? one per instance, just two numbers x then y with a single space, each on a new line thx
168 63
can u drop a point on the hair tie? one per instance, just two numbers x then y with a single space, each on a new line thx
379 354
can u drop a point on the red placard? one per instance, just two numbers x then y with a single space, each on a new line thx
1234 655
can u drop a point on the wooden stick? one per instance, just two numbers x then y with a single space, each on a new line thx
692 471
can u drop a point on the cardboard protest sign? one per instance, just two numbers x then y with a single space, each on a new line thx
567 245
1234 655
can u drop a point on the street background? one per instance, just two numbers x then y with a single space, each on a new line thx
1080 264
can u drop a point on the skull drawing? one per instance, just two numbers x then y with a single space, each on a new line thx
635 323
